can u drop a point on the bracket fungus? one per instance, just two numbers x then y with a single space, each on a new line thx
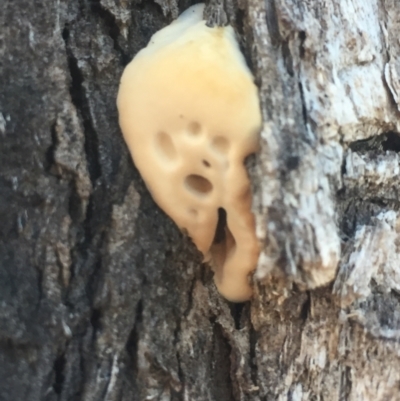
190 115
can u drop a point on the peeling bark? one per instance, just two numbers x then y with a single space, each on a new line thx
102 298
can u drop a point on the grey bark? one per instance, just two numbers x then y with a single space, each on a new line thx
102 298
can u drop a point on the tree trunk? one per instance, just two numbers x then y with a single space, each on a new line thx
101 296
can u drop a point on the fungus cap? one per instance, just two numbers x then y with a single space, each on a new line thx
189 113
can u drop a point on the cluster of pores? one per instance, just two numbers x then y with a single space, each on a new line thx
189 113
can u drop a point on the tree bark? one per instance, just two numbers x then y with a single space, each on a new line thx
101 296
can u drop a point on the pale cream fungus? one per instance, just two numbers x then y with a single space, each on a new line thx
189 113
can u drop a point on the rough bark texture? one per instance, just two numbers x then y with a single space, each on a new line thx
101 297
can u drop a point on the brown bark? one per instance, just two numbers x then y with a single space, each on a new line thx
102 298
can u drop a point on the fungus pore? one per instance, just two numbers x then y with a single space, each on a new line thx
189 113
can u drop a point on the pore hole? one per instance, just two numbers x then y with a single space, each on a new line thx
193 212
166 145
194 128
221 225
206 163
224 243
220 144
198 184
